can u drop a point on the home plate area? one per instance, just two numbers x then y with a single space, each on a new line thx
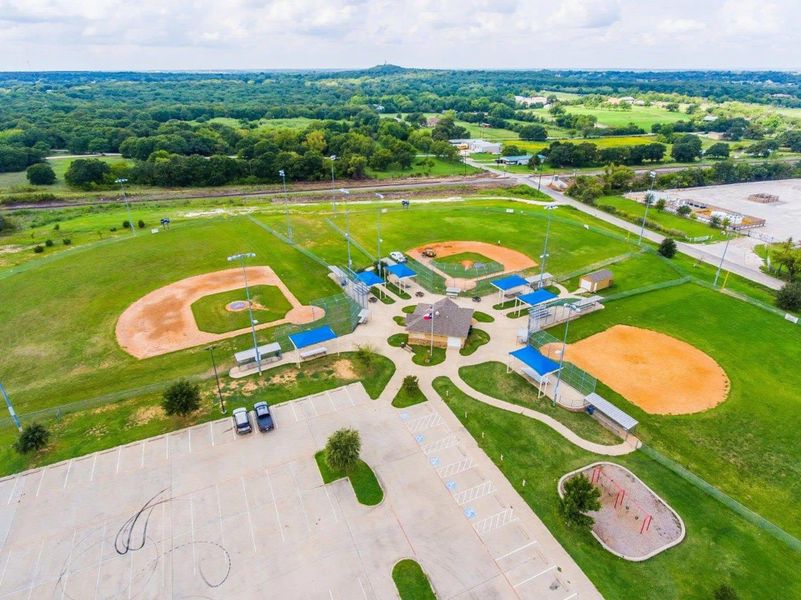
513 548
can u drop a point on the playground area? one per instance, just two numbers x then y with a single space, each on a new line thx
163 321
633 522
657 372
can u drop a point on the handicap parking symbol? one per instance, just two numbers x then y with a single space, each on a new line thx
404 416
450 484
434 461
419 437
469 513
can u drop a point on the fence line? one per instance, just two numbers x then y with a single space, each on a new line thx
596 265
745 512
353 241
286 240
647 288
575 377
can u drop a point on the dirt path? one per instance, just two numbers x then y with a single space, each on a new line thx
658 373
162 321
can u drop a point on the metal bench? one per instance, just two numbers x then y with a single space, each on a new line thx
314 353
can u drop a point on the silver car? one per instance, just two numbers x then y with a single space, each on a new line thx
241 421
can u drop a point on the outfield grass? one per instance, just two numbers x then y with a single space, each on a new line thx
720 547
491 378
411 581
748 445
211 314
365 485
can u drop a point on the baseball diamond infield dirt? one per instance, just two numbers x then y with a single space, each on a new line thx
512 260
162 321
658 373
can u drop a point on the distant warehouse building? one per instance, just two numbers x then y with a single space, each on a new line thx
521 159
476 146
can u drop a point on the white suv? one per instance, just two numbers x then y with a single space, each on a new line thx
397 256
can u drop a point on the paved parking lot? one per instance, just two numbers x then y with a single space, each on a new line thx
205 513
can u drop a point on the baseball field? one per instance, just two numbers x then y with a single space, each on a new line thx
61 313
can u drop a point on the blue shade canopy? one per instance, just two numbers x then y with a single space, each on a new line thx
312 336
537 297
509 283
369 278
401 271
532 358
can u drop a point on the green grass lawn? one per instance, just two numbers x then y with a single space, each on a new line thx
635 272
288 123
210 313
411 581
720 547
405 398
483 317
492 134
425 358
419 168
632 211
748 445
475 339
365 485
18 181
492 379
642 116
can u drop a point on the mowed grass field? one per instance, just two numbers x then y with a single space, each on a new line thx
642 116
211 314
8 181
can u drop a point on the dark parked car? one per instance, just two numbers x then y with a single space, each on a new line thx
263 417
241 420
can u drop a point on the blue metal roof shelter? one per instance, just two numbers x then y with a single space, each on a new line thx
532 358
304 339
369 278
400 271
537 297
509 283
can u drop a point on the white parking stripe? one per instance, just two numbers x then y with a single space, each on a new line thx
119 453
192 528
13 489
361 585
211 432
36 570
67 476
189 439
5 567
573 595
527 579
275 504
41 479
219 512
300 498
331 400
247 507
100 561
167 447
294 412
142 461
331 504
67 568
516 550
94 463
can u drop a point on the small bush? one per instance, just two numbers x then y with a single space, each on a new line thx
141 224
126 224
34 437
725 592
411 384
181 398
113 229
342 449
789 297
56 227
668 248
49 243
38 248
66 241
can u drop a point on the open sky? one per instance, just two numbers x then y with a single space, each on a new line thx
262 34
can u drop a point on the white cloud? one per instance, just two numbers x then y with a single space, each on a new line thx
678 26
586 14
749 17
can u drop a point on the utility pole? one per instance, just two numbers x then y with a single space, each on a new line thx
545 249
347 225
122 181
10 407
242 258
286 206
378 231
332 158
722 259
211 350
648 199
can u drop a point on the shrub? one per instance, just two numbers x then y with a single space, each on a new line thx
38 248
181 398
789 297
410 384
66 241
34 437
580 497
141 224
342 450
41 174
668 248
56 227
684 210
49 243
126 224
725 592
113 229
366 353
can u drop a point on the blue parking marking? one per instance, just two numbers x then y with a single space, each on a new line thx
450 484
404 416
419 437
434 461
469 513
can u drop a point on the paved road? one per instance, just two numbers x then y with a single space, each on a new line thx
703 253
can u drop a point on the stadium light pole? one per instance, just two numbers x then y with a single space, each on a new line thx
569 308
540 160
10 407
545 249
242 257
722 259
122 181
211 350
648 199
332 158
378 231
347 225
286 206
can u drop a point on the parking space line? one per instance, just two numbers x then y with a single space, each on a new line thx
119 453
13 489
189 439
247 507
516 550
495 521
211 433
163 542
67 476
331 400
69 564
142 461
573 595
167 447
331 504
300 498
192 529
94 463
454 468
36 570
441 444
314 406
219 513
5 567
485 488
41 479
347 391
330 594
100 561
130 574
294 412
275 504
533 577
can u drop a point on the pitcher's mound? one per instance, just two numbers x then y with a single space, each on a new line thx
658 373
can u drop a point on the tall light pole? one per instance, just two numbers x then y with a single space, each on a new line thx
378 232
433 313
242 257
540 159
648 199
569 308
332 158
122 181
722 259
545 249
347 225
10 407
211 350
286 206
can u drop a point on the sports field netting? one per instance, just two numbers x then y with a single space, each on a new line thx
578 379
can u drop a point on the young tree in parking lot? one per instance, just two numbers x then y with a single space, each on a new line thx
33 437
181 398
580 497
342 450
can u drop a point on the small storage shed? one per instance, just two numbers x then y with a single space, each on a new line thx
597 280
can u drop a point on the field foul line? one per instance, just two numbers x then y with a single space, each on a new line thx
533 577
275 504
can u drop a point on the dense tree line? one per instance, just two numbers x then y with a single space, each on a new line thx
587 154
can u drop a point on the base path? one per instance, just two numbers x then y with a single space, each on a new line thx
657 372
162 321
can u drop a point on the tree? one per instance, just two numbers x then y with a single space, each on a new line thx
34 437
715 222
141 224
684 210
86 172
181 398
585 189
342 450
533 132
725 592
789 296
718 150
667 248
410 384
511 150
660 204
41 174
686 148
579 498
